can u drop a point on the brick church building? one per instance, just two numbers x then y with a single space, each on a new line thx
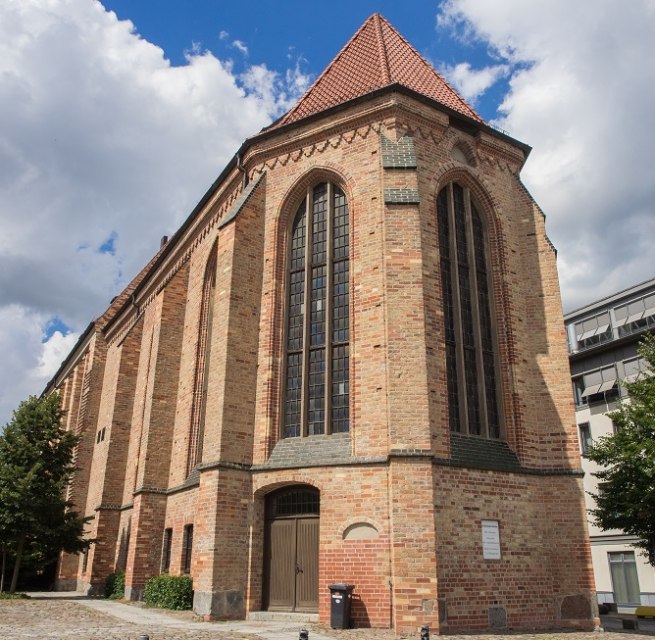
348 365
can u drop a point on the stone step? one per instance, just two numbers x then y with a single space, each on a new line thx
282 616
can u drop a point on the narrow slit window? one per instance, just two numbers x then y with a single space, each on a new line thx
187 549
166 550
203 349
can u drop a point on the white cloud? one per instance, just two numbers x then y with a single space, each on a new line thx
297 81
54 351
240 46
272 88
472 83
582 94
26 360
95 121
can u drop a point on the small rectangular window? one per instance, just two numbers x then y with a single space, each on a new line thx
585 438
578 392
166 550
649 303
593 331
624 577
609 379
635 311
600 385
592 383
187 548
634 368
620 315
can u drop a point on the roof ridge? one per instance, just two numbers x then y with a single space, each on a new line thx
325 71
377 56
428 65
382 49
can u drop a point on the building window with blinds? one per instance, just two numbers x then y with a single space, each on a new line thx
472 371
316 385
599 385
624 578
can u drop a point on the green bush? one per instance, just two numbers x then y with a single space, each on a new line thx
115 585
169 592
4 595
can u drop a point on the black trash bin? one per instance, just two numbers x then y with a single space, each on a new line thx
341 596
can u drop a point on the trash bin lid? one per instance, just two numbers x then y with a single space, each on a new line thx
341 586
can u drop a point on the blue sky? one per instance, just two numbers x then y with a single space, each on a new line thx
287 32
113 126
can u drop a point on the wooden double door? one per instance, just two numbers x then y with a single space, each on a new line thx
291 549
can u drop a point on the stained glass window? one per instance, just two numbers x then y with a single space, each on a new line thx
316 398
471 376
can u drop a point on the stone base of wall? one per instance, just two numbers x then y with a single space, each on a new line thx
134 593
66 584
219 605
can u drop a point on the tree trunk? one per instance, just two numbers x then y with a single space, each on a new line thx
19 553
2 572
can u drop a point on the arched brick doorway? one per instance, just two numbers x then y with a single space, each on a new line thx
291 549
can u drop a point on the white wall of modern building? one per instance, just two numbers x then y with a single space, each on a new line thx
603 339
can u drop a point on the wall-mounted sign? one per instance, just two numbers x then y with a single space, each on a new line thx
490 540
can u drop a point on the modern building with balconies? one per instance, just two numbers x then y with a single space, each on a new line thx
603 338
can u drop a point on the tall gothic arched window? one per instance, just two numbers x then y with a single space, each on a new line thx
203 349
473 401
316 395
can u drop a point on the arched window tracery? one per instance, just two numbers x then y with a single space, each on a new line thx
316 388
471 353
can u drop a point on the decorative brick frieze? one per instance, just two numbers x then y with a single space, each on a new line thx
398 155
401 196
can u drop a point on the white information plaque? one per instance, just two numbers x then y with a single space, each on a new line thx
490 540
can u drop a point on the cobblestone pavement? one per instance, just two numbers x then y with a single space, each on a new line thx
64 619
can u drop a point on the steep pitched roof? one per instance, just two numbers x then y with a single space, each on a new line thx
376 56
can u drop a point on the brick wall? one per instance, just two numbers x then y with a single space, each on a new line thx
401 501
109 461
90 371
543 548
152 431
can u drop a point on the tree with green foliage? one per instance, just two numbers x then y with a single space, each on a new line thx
36 465
626 496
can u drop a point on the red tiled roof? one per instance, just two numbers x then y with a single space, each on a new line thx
375 57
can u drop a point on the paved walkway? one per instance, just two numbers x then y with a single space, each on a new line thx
153 619
64 615
70 616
